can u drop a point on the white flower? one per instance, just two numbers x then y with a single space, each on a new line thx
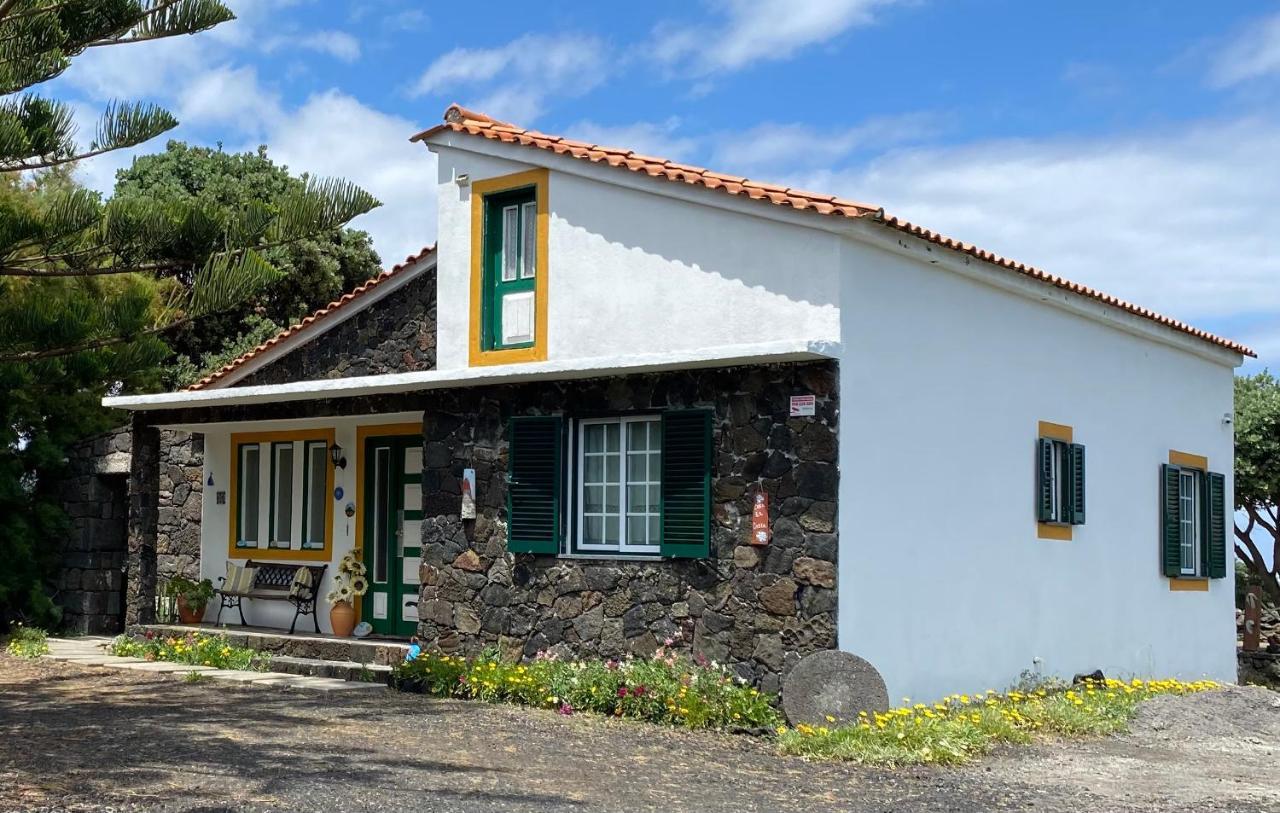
359 585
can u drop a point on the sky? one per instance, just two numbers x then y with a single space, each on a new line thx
1130 146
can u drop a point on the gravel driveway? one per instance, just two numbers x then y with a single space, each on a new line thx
80 738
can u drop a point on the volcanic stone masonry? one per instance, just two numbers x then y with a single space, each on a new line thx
757 609
398 335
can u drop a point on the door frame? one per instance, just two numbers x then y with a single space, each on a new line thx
363 433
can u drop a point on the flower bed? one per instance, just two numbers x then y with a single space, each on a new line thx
27 642
195 648
667 688
961 727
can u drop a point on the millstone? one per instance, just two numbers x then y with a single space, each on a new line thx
835 684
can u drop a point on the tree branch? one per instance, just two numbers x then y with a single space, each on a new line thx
97 344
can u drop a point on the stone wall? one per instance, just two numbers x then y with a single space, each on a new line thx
179 502
757 609
91 584
395 335
1262 668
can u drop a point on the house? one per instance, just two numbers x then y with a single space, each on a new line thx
966 467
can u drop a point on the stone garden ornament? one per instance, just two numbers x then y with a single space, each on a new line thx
830 684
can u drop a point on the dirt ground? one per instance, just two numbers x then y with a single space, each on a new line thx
86 739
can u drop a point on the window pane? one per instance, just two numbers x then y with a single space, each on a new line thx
637 436
611 467
592 499
637 499
592 469
249 474
510 242
637 467
593 437
611 531
637 530
317 493
282 496
611 437
381 512
528 240
592 530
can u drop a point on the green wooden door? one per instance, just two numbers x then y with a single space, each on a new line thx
392 532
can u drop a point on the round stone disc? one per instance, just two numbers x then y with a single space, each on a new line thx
835 684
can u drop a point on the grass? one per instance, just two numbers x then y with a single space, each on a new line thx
195 648
962 727
27 642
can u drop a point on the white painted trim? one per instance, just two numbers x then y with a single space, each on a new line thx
864 230
731 356
326 323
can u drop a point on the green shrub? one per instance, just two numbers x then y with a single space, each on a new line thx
195 648
667 688
27 642
962 726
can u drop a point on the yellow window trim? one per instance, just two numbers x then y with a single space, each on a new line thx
1064 433
276 554
1187 584
479 357
1190 461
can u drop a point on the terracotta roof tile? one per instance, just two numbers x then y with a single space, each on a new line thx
337 304
461 120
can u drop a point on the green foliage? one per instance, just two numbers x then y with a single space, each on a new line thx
258 329
195 594
1257 477
961 727
195 648
667 689
27 642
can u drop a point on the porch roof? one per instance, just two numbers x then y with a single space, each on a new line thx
396 383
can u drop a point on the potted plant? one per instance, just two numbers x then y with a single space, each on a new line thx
192 597
349 583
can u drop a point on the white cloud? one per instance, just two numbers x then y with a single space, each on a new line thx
333 134
1186 222
772 148
337 44
1253 54
752 31
514 80
649 138
229 96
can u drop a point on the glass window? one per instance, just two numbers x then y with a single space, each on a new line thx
381 497
281 495
510 242
528 240
1189 517
316 495
248 497
619 484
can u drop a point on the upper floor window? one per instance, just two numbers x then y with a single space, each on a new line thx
511 262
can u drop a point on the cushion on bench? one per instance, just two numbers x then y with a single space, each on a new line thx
239 579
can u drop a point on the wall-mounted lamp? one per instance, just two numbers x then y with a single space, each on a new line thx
462 179
336 456
1227 417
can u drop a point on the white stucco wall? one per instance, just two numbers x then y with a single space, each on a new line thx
215 519
944 584
631 272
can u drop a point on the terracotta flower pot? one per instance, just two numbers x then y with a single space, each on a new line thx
187 614
342 618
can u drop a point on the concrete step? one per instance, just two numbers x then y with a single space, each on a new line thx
299 645
342 670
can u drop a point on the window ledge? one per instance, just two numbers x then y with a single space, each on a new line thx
1054 530
1190 584
615 557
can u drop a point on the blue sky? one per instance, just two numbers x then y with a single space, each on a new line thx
1131 146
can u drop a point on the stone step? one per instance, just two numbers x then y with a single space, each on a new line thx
342 670
298 645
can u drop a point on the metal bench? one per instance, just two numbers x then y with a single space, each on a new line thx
271 582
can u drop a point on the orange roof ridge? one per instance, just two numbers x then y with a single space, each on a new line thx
341 302
461 120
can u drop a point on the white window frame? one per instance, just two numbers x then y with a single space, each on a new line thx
510 243
242 507
579 460
1192 522
312 490
1057 464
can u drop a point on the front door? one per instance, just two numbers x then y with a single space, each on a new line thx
392 533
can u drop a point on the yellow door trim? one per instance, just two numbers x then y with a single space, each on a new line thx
537 178
277 554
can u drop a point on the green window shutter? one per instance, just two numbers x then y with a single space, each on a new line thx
1077 483
1044 479
534 485
1170 521
686 484
1216 524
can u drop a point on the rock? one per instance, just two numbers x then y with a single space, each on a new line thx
832 683
779 598
716 622
469 561
820 517
768 651
465 620
815 572
746 557
567 607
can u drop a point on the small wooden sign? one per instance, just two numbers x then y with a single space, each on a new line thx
468 494
1252 619
761 533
